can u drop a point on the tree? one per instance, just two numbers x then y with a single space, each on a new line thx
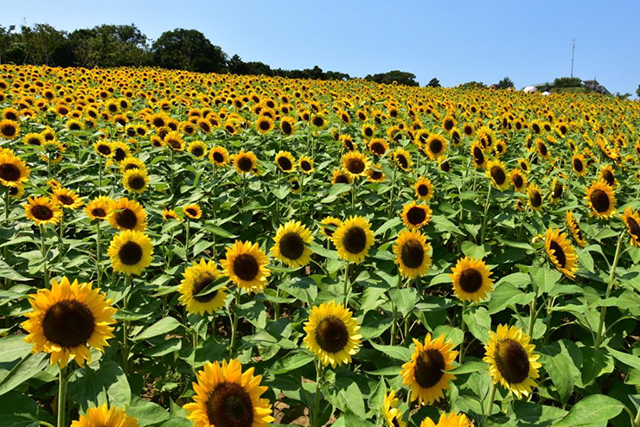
236 65
567 82
506 83
434 82
472 85
638 91
397 76
188 50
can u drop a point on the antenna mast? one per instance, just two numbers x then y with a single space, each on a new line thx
573 53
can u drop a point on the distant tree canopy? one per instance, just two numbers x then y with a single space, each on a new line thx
434 82
567 82
188 50
506 83
638 91
472 85
397 76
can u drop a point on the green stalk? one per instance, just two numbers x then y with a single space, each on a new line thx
346 285
492 395
393 324
6 220
43 250
463 327
125 331
316 406
186 240
98 254
234 320
486 218
62 396
100 175
603 310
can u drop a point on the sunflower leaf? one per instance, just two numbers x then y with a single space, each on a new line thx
596 409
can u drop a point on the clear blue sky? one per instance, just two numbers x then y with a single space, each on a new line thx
455 41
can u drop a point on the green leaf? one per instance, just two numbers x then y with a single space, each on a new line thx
146 412
505 295
472 250
442 224
404 299
470 367
394 351
220 232
165 347
291 362
596 409
478 321
163 326
544 278
29 366
7 272
13 348
563 362
354 399
393 222
627 359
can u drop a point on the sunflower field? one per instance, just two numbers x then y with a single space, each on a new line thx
183 249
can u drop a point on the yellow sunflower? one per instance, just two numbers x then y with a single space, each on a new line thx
128 215
285 161
391 412
329 225
34 139
9 129
518 179
573 225
339 177
67 198
608 176
435 146
226 396
196 279
378 147
375 174
67 320
448 420
579 165
105 417
168 214
477 155
632 221
511 359
99 208
130 252
497 174
353 238
402 158
305 163
192 211
416 215
219 156
131 163
535 197
16 192
561 252
292 244
135 180
197 149
332 334
412 253
13 171
355 164
426 372
247 266
601 199
471 281
42 210
245 162
423 189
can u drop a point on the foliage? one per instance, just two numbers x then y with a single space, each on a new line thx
394 77
506 83
567 82
472 85
434 82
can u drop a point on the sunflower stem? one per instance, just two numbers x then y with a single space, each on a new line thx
100 175
316 405
346 285
393 187
492 396
234 320
43 249
636 422
612 279
463 328
186 239
532 315
393 324
485 219
125 326
171 175
7 282
62 396
98 254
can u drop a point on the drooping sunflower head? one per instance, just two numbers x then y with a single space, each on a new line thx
391 412
135 180
471 281
497 174
226 396
99 208
632 221
448 420
511 359
329 225
285 161
105 417
69 319
416 215
355 164
130 252
353 238
247 266
16 192
168 214
244 162
601 199
13 171
561 252
192 211
426 372
197 149
219 156
68 199
435 146
412 253
128 215
574 227
292 244
535 197
42 210
423 189
200 290
332 334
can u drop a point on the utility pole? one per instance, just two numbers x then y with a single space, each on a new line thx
573 53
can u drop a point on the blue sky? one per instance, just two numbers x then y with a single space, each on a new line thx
455 41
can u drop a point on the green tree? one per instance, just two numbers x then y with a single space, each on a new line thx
638 91
472 85
397 76
434 82
188 50
506 83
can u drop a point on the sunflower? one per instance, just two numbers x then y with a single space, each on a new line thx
391 412
9 129
543 150
423 188
355 164
135 180
632 221
99 208
524 165
264 125
192 211
477 155
13 171
287 126
128 215
16 192
285 161
130 252
226 396
607 175
556 191
104 417
197 149
448 420
573 225
471 281
67 198
219 156
375 174
518 179
120 151
339 177
378 147
42 210
174 141
601 199
332 334
329 225
435 146
67 320
353 238
511 359
402 158
244 162
247 266
497 174
579 165
412 254
168 214
305 163
425 372
196 279
35 139
367 130
54 184
561 252
535 197
132 163
416 215
292 244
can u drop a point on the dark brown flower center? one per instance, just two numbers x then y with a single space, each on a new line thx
518 181
291 246
264 125
498 175
543 149
402 161
600 200
436 146
218 157
423 190
634 228
192 212
470 280
416 215
557 191
286 128
578 165
229 405
42 212
412 253
246 267
536 199
478 156
197 151
99 213
68 323
199 284
607 175
558 252
9 130
429 368
512 361
130 253
332 334
137 182
245 164
127 219
284 163
355 166
9 172
355 240
65 200
378 148
375 175
305 165
341 179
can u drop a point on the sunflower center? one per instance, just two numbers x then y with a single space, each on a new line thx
607 175
218 157
199 284
119 155
512 361
355 166
9 172
9 130
518 181
341 179
423 190
377 148
543 149
355 240
429 368
191 212
68 323
332 334
229 405
634 228
470 280
197 151
136 182
265 125
130 253
246 267
536 199
478 156
558 252
99 213
42 212
557 191
416 215
305 166
600 200
435 146
65 200
286 128
245 164
403 162
285 163
127 219
292 246
498 175
577 165
376 175
412 253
